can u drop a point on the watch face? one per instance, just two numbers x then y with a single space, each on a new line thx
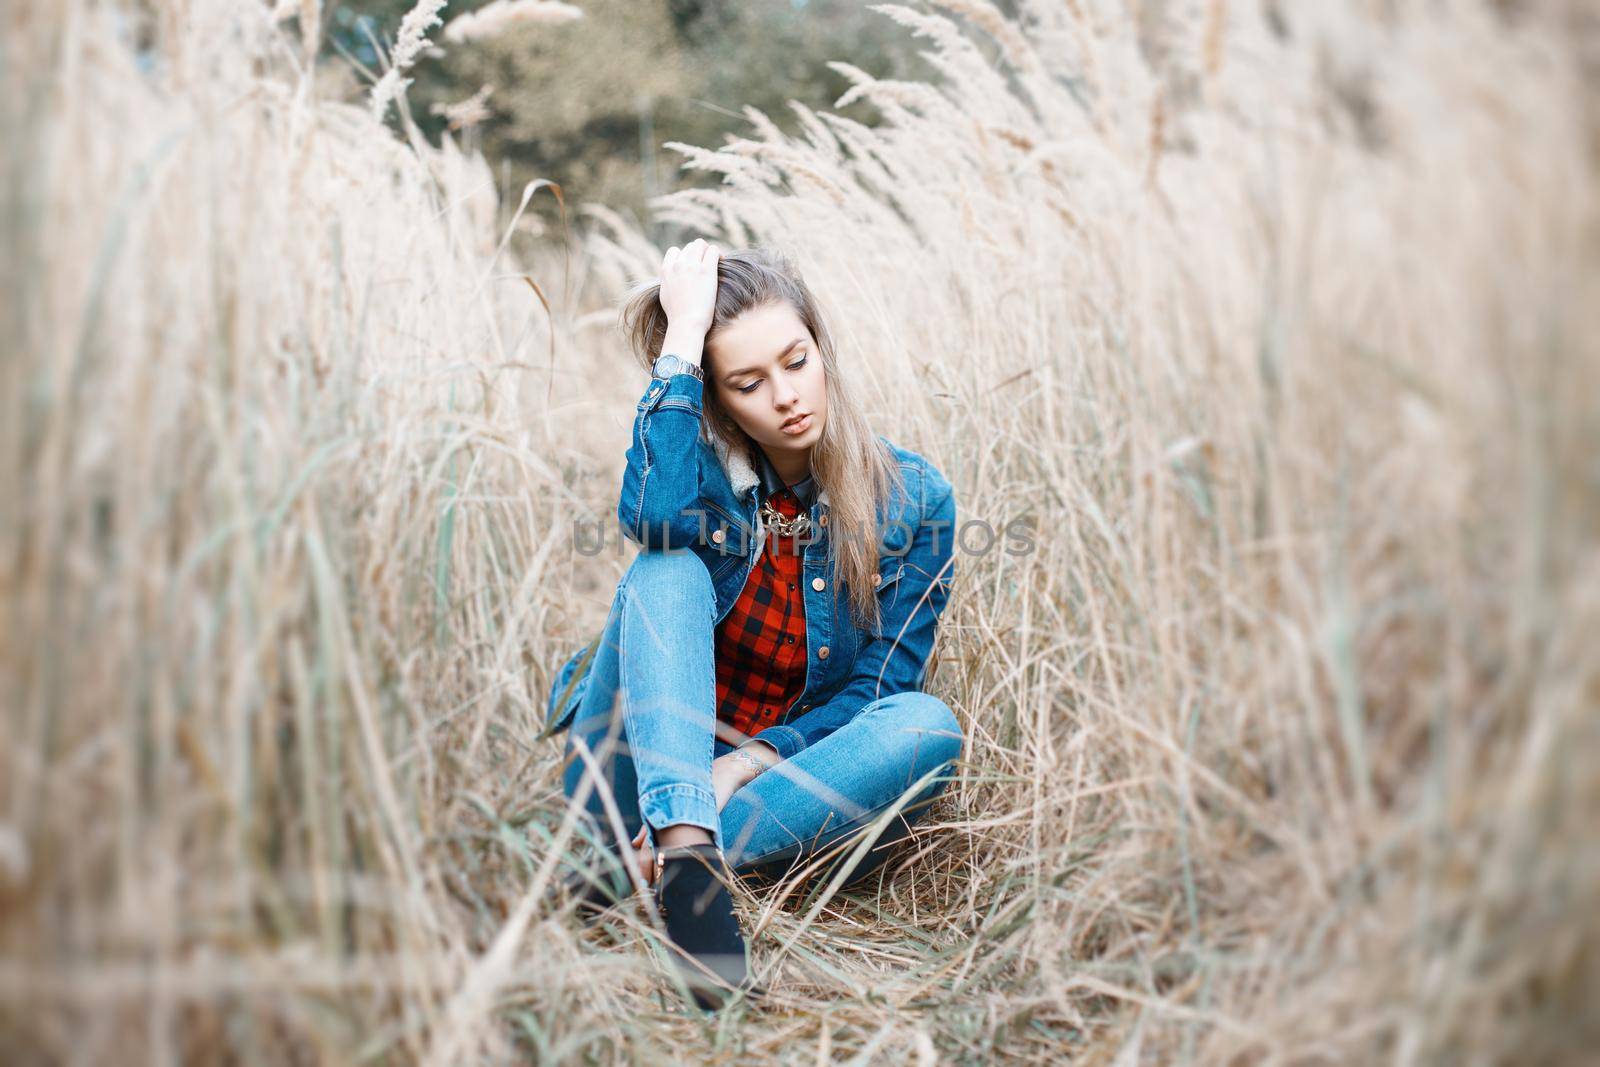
668 365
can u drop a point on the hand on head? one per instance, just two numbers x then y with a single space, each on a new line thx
689 283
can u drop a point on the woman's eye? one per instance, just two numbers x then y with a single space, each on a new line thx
796 365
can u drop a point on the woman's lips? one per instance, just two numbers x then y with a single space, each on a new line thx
800 425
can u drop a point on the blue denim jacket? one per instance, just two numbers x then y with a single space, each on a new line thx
682 491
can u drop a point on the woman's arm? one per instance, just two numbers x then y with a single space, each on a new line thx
661 484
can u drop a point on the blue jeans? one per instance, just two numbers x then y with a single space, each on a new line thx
649 718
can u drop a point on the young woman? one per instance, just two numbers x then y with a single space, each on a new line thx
755 695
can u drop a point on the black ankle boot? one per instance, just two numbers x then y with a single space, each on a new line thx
697 906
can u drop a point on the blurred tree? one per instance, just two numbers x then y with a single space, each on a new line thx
589 103
568 100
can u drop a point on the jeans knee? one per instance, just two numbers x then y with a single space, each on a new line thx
936 732
678 575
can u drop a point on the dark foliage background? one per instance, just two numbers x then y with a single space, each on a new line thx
588 104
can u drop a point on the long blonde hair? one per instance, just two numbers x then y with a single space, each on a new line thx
856 468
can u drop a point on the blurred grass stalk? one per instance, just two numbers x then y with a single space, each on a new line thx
1280 325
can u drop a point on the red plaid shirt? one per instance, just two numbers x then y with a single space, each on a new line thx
761 642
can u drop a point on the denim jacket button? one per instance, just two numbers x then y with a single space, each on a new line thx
877 578
822 653
817 584
718 536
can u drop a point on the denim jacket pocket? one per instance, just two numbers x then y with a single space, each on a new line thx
890 574
725 532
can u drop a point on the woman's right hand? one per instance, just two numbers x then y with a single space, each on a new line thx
644 855
689 284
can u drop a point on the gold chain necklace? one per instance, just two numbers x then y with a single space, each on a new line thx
782 525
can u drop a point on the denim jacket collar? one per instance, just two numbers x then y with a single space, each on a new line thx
805 490
742 469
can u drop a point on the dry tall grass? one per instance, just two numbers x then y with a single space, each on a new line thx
1280 325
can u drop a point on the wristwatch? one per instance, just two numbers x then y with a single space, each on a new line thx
667 364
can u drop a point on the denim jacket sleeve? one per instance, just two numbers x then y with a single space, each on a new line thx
895 660
661 483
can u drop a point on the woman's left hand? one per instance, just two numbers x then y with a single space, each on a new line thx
729 775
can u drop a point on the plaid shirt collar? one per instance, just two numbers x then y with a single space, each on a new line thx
771 482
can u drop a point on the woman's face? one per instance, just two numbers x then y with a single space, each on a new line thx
766 370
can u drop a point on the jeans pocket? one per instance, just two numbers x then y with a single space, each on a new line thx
572 681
